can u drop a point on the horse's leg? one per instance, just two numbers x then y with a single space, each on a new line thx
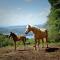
47 41
15 44
35 44
42 43
38 43
24 43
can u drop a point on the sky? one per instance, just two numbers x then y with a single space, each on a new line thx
23 12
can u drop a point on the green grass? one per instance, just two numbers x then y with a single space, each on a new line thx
5 41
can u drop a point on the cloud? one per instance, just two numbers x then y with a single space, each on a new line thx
19 8
43 15
9 16
20 17
44 12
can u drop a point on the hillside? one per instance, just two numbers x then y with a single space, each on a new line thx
16 29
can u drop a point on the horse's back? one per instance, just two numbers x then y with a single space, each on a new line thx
22 37
43 29
42 33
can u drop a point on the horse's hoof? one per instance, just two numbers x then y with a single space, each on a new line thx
47 47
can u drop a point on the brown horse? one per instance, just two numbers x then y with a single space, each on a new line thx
15 38
38 34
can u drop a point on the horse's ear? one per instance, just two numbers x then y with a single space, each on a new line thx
29 26
10 32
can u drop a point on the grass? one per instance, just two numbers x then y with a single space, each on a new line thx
5 41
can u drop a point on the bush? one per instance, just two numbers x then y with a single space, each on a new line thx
4 41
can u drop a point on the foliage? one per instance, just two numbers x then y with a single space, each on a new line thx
54 21
5 41
52 2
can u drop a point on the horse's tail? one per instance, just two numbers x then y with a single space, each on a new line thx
46 37
46 32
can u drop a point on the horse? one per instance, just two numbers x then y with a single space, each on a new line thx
15 38
38 35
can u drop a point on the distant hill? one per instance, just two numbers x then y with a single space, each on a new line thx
15 29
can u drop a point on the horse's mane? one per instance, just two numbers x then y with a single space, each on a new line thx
37 28
14 35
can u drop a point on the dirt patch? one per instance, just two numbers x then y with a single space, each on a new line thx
30 54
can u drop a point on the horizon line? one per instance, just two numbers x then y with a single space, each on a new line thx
19 25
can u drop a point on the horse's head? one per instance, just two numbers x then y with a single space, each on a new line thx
28 29
10 34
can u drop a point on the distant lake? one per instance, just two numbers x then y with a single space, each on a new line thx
30 36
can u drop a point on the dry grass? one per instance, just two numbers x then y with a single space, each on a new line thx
30 54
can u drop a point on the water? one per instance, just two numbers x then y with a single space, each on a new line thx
30 36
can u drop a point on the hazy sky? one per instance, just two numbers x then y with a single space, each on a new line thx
23 12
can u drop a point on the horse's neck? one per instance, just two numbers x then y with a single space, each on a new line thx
14 36
35 30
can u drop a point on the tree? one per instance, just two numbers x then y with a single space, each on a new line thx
54 20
